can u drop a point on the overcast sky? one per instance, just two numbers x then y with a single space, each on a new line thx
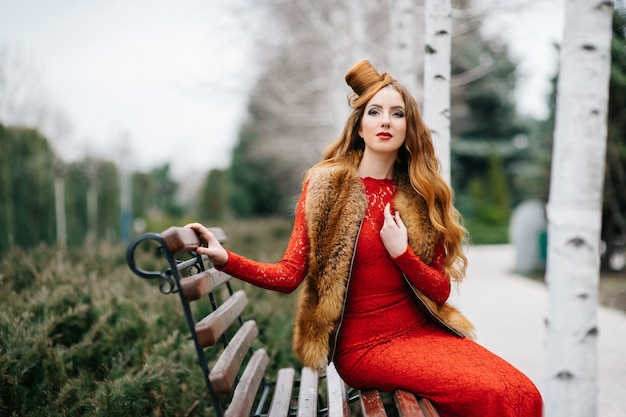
531 33
150 78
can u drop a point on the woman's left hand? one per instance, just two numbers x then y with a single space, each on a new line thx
211 247
393 233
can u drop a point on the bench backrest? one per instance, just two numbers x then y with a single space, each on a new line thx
193 278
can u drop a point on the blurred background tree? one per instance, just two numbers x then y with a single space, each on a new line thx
28 190
295 109
614 210
294 113
100 178
213 199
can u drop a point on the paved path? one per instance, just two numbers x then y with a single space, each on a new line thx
509 312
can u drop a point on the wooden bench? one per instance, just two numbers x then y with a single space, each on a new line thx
237 382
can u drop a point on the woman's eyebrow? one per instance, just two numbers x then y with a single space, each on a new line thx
401 107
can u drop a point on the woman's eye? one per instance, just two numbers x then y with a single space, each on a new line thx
373 112
398 114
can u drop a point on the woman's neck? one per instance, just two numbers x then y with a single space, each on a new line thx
376 166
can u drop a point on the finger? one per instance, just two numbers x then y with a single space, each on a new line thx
387 214
202 232
398 219
195 226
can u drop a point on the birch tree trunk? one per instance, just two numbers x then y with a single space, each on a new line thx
438 41
403 38
574 210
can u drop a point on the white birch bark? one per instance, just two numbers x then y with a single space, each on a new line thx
438 41
574 210
403 38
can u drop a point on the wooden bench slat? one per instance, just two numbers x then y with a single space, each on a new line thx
180 239
196 286
281 400
307 395
337 397
210 328
183 239
220 235
245 392
407 404
226 368
371 404
428 408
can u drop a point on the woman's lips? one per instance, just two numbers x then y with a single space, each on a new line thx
384 135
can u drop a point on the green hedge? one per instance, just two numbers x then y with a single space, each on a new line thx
80 335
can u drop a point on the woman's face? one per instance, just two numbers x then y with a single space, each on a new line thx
383 127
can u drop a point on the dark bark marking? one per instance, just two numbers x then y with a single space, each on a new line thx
605 4
593 332
577 241
565 375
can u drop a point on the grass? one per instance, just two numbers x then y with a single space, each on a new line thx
612 291
81 336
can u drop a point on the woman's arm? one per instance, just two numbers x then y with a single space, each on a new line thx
429 279
284 276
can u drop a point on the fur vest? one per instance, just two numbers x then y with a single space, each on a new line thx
335 207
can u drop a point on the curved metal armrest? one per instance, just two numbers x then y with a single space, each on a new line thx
172 241
130 255
167 284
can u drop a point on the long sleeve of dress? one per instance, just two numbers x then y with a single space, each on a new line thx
429 279
285 275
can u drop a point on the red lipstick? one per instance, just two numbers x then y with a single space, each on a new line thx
384 135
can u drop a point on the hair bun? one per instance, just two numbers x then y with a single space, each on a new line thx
365 81
361 76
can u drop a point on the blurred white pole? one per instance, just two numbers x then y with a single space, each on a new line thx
438 40
404 54
92 203
126 192
59 205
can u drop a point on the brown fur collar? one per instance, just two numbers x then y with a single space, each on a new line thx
335 206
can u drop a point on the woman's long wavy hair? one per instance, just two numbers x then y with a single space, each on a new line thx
417 159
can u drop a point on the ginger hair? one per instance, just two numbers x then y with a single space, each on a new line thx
416 158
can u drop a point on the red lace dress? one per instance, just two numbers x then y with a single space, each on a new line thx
385 342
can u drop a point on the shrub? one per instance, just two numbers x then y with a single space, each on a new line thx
80 335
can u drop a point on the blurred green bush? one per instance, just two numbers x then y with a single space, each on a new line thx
80 335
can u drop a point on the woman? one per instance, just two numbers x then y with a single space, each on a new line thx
377 242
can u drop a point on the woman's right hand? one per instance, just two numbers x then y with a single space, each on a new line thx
213 249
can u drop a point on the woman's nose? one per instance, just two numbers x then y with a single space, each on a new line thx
385 120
